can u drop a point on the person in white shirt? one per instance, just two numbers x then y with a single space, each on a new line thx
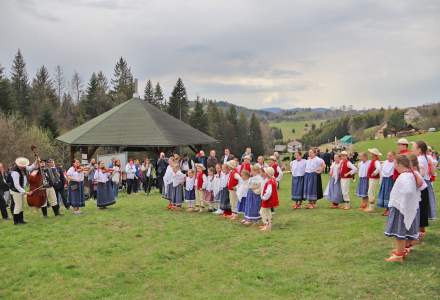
190 191
116 177
178 180
298 169
373 178
75 177
346 172
104 196
313 186
387 182
362 187
130 170
242 190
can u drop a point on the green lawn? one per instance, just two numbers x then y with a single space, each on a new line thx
385 145
287 126
139 250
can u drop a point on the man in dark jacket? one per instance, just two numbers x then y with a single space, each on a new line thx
212 159
161 168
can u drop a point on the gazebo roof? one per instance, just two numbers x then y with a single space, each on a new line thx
135 123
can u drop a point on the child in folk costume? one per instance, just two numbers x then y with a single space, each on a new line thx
105 196
278 175
75 177
242 190
253 197
167 181
233 180
373 178
404 204
190 191
346 171
200 179
298 169
261 163
216 188
333 191
246 165
208 197
178 179
225 203
314 166
387 182
269 198
362 187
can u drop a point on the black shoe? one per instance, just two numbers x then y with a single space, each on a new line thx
16 219
22 218
56 210
44 211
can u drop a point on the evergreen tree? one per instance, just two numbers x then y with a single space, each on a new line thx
231 130
215 125
43 93
242 132
47 121
67 111
96 100
158 97
178 103
6 101
59 82
149 94
198 119
123 83
76 86
396 122
20 85
256 137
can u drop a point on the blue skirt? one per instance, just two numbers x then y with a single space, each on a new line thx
432 201
105 195
297 188
241 205
252 207
396 228
225 204
169 193
190 196
362 188
177 195
75 194
384 192
334 191
311 186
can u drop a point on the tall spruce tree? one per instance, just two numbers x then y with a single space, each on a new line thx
67 112
43 93
158 97
47 120
123 82
242 132
231 130
6 101
96 100
149 93
256 137
216 126
178 104
198 118
20 85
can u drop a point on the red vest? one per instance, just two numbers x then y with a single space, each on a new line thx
345 169
273 199
245 166
275 168
199 176
396 174
371 169
232 182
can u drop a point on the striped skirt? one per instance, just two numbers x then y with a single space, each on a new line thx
252 206
177 195
104 194
311 186
362 187
396 227
75 194
225 204
333 192
432 201
384 192
190 196
297 188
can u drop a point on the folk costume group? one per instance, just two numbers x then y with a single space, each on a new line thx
233 188
401 184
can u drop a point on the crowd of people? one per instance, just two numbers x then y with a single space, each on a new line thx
245 187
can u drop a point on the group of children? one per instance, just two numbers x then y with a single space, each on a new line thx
229 190
402 185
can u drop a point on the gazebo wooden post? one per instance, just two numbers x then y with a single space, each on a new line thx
72 153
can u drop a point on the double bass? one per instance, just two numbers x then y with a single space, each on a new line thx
37 184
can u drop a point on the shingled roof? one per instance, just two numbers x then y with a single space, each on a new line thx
135 123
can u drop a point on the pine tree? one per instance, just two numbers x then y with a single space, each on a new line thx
77 86
6 101
198 119
242 132
158 97
67 112
178 103
148 93
216 126
87 103
256 137
20 85
231 130
47 121
43 91
123 83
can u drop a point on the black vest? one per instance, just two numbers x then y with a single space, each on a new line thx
21 179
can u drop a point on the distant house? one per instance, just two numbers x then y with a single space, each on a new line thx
381 132
411 115
346 140
294 146
280 148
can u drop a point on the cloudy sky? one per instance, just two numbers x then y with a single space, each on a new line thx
256 53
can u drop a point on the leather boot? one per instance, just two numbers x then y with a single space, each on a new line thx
22 218
56 210
44 211
16 219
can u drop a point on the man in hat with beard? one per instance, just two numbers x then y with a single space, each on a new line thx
52 180
18 183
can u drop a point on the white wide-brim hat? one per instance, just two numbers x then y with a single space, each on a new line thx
232 164
273 157
403 141
201 166
344 153
22 162
375 151
269 171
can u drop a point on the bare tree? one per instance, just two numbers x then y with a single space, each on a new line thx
76 86
59 82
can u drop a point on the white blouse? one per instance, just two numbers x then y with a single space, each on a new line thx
76 176
313 165
387 169
424 167
335 169
190 183
178 178
224 178
256 184
363 169
242 188
101 176
208 183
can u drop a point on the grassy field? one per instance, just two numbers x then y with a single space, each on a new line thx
385 145
287 126
139 250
